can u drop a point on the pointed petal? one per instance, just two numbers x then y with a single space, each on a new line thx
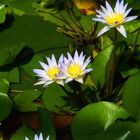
104 10
68 80
116 9
26 138
127 12
61 59
122 30
80 80
108 7
86 64
127 19
48 83
60 82
124 8
66 60
105 29
121 4
49 61
40 73
44 66
48 138
69 57
39 83
99 19
40 137
54 60
87 71
76 56
36 137
100 13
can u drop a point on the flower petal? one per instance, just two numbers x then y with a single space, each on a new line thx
60 82
122 30
99 19
100 13
45 66
76 56
69 57
127 19
105 29
26 138
116 9
127 12
48 83
48 138
54 60
49 61
40 137
40 83
40 73
80 80
68 80
108 7
87 71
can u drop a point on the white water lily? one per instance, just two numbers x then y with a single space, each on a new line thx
114 18
75 68
40 137
50 73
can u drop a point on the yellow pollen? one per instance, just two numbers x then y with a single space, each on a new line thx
114 19
52 72
74 70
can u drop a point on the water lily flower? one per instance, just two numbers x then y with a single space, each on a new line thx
75 68
87 7
50 73
37 138
114 18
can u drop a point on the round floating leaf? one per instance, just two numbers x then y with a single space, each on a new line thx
4 85
131 96
95 118
99 65
54 98
23 132
5 106
13 75
24 101
41 35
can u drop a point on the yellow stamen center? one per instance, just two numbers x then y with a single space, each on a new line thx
114 19
52 72
74 70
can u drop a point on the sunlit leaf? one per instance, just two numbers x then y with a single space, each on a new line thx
131 96
99 66
4 85
95 118
2 13
5 106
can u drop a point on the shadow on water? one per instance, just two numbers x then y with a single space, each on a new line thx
22 58
8 22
